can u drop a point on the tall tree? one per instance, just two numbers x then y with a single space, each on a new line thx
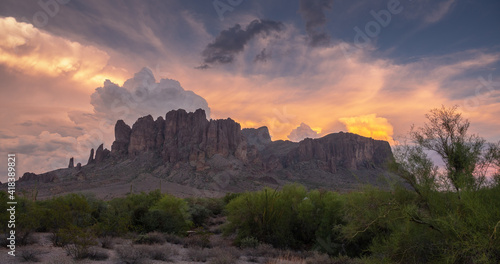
467 157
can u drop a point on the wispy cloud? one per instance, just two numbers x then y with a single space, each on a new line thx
439 12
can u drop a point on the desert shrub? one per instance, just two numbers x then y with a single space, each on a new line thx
97 254
150 238
27 237
264 250
163 253
77 241
27 220
173 239
133 254
199 254
290 218
200 238
249 242
30 255
107 242
369 215
222 256
114 218
319 258
199 213
56 239
72 210
400 226
169 215
229 197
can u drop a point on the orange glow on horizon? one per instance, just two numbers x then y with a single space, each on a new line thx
370 126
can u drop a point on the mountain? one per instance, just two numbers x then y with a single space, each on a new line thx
186 154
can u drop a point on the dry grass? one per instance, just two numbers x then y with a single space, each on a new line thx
197 240
98 254
30 255
107 242
225 255
199 254
150 238
136 254
173 239
163 253
132 254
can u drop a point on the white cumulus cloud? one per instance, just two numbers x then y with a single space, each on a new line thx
301 132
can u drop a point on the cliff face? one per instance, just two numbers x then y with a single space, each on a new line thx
190 137
341 150
189 145
180 137
257 137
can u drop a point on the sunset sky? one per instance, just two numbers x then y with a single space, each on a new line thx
302 68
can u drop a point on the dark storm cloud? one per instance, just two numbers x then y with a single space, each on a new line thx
233 40
263 56
313 13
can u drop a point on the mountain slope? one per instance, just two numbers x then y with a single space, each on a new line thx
186 154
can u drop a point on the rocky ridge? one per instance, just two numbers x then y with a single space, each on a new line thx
188 149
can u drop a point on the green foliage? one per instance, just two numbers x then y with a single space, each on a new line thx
438 215
77 241
249 242
150 238
65 211
448 216
27 217
169 214
291 217
201 209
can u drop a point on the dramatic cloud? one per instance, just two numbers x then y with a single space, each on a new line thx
26 48
318 86
369 126
140 96
233 40
313 13
48 75
301 132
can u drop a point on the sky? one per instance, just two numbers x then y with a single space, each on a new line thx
70 69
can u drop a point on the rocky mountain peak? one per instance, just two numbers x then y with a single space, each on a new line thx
259 137
186 148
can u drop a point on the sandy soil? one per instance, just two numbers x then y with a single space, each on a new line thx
47 253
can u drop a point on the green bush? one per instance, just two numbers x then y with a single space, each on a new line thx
201 209
169 214
150 238
77 241
249 242
291 217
